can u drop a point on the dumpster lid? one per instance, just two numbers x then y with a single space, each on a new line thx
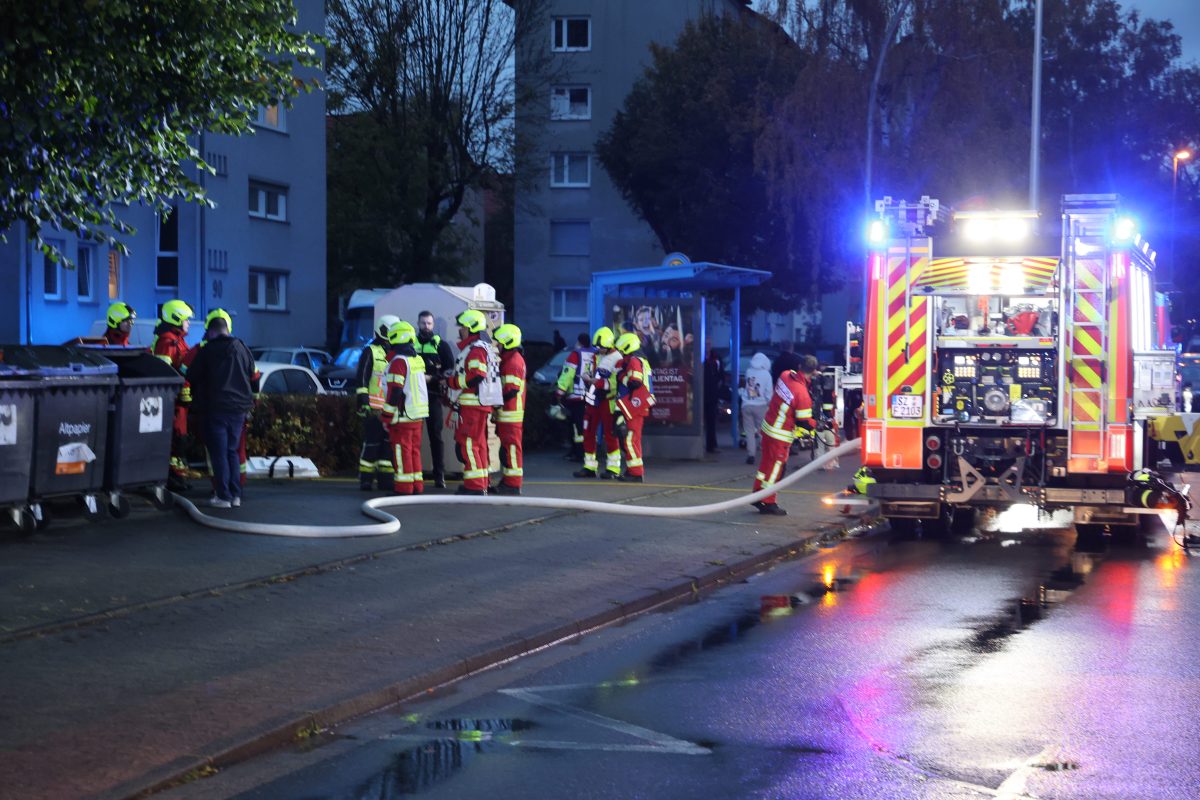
52 361
137 364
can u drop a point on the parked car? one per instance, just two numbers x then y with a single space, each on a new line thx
548 372
308 357
341 374
288 379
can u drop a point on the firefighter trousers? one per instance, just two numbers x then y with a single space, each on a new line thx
595 418
631 446
375 460
512 459
405 439
471 442
771 465
179 443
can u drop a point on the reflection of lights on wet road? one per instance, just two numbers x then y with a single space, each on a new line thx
828 575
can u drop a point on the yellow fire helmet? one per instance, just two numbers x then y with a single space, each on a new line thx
629 343
402 333
221 314
176 312
508 336
472 319
118 312
603 337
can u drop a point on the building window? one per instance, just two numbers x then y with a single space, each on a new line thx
571 33
52 278
570 170
268 290
219 163
569 304
273 117
167 273
85 279
570 237
571 102
114 275
268 201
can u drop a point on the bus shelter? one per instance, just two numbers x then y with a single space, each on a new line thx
667 306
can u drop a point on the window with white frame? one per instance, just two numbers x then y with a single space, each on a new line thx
167 262
570 170
114 274
570 102
268 290
52 269
570 237
571 33
273 117
85 269
569 304
268 201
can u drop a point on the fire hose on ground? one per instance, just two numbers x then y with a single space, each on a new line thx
388 524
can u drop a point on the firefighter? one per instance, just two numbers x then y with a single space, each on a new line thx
170 344
120 319
405 408
510 418
475 390
439 360
375 460
633 405
598 409
789 417
578 369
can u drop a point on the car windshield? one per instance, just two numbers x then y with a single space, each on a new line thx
348 357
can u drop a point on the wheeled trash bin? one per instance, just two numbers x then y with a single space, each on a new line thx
75 388
18 391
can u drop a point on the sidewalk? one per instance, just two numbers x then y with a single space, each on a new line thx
136 651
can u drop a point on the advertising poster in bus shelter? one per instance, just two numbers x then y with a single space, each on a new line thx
668 329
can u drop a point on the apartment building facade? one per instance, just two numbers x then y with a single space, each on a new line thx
570 220
260 253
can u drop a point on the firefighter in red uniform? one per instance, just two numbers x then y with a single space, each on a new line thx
510 418
473 392
120 323
405 408
573 381
789 416
598 413
633 405
170 344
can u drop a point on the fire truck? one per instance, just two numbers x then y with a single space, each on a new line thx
1010 361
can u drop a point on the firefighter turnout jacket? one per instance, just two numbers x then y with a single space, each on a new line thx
789 414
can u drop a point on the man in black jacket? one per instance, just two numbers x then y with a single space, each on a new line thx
439 360
221 376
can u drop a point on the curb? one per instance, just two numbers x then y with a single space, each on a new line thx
274 735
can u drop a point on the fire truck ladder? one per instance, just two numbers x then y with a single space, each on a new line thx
1085 292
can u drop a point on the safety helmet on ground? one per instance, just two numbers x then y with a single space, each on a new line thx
628 343
508 336
603 337
402 333
176 312
385 324
219 313
118 312
472 319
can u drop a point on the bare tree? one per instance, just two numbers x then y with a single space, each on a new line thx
431 83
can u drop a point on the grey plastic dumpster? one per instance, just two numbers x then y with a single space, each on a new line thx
139 440
18 389
71 432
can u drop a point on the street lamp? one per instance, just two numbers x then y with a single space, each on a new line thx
1182 154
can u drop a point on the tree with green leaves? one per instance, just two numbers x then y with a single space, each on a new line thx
682 149
99 100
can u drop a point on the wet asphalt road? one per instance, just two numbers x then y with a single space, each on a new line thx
1000 667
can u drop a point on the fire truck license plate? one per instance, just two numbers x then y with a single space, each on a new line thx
908 406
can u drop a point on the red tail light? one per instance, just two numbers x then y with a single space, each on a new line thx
933 443
934 461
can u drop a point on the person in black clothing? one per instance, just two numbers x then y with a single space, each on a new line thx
714 382
786 360
439 362
559 342
222 380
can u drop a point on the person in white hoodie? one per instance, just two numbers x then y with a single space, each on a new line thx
754 394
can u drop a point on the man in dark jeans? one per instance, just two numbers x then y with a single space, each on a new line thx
714 388
439 360
221 376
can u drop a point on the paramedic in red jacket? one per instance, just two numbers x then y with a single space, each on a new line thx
789 416
470 374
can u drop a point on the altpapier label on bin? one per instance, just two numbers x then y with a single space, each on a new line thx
150 420
73 458
8 424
